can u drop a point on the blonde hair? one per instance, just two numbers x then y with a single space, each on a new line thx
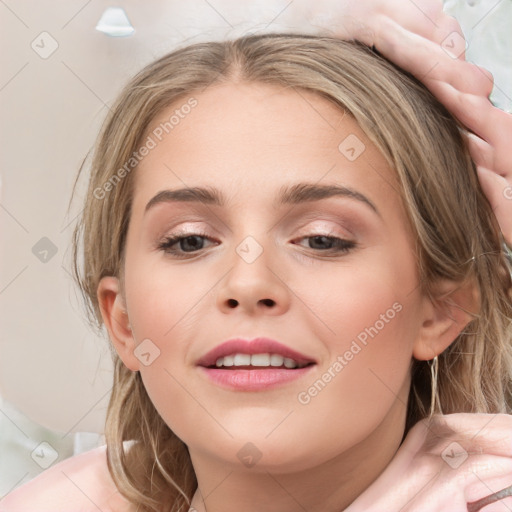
457 235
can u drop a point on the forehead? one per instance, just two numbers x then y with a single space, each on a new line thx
253 138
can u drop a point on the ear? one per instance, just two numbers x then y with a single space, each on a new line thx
115 317
445 315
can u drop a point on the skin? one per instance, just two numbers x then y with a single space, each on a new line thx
249 140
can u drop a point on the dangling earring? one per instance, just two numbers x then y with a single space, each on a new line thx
434 369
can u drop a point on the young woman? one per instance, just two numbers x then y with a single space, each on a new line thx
317 209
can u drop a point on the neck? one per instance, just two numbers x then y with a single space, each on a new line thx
329 487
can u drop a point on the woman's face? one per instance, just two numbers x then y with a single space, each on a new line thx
330 276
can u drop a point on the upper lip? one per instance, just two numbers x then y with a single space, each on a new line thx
254 346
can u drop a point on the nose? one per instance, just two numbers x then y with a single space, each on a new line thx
254 285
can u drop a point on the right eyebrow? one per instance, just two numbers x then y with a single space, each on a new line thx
207 195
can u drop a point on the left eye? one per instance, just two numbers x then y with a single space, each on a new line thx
329 243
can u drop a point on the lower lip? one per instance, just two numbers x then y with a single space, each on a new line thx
254 380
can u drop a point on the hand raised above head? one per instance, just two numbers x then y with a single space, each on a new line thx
425 41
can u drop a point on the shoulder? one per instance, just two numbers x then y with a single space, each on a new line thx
82 481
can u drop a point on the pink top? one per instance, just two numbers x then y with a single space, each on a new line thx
80 484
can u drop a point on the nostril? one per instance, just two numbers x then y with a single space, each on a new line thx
232 303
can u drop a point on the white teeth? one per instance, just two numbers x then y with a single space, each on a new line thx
241 360
260 360
256 360
276 360
289 363
225 361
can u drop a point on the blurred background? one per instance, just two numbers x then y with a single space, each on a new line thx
62 65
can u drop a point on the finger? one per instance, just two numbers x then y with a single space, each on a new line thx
481 152
489 77
485 487
491 124
499 193
429 61
448 26
457 483
486 476
479 433
463 76
454 484
423 17
503 505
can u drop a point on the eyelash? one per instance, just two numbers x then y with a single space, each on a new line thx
166 244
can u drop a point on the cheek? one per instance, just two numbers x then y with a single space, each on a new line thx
163 300
368 313
361 315
369 324
371 302
167 307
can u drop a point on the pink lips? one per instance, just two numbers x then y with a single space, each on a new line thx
255 346
257 378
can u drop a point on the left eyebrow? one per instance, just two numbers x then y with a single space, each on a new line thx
288 194
304 192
